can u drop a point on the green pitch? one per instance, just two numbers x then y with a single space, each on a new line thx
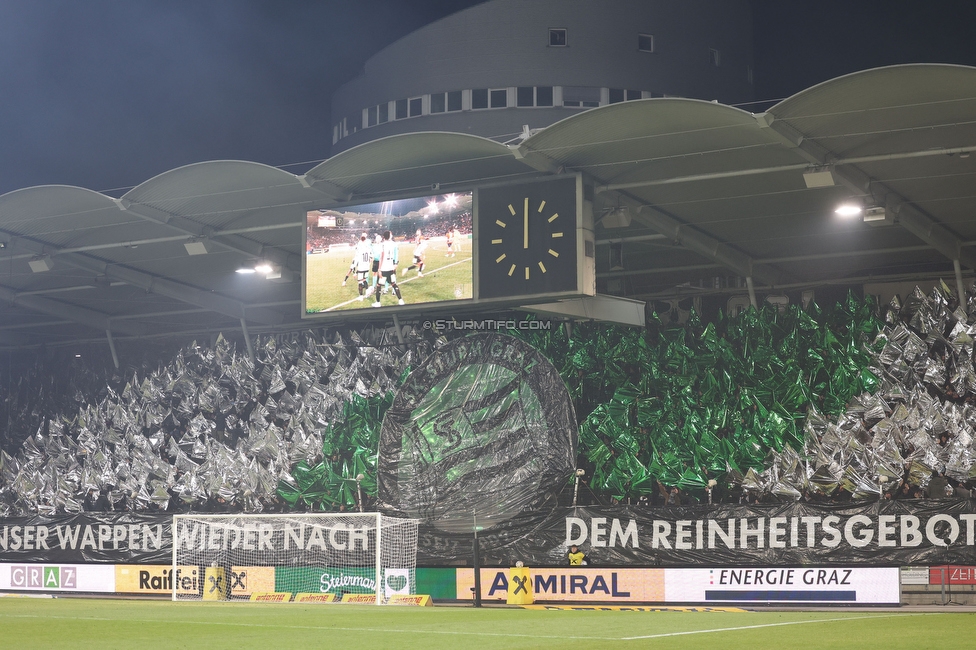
445 278
83 623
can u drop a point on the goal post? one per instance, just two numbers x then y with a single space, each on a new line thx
242 557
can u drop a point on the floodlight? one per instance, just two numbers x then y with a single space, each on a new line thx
821 178
616 218
41 264
848 210
196 247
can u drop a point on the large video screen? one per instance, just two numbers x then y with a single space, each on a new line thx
392 254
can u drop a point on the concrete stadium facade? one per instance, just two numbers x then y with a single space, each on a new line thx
495 68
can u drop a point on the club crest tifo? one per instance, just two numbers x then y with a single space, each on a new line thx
482 429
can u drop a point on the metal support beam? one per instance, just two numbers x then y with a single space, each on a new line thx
928 230
705 245
779 169
668 225
960 287
752 293
154 240
628 240
396 326
91 318
155 284
328 189
910 217
247 341
111 346
14 340
847 280
235 243
603 308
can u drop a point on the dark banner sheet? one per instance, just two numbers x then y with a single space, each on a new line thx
880 533
883 533
90 538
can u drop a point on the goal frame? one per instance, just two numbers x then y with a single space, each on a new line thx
377 524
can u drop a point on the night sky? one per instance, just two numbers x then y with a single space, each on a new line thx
108 93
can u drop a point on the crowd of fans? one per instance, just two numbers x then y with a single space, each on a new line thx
404 229
212 432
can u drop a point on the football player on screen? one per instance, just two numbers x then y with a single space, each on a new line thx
389 254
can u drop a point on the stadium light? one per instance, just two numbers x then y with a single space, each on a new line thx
40 264
196 247
848 210
815 178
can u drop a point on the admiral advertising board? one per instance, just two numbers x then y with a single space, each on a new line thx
578 584
759 585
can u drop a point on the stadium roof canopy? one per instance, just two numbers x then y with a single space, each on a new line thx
710 191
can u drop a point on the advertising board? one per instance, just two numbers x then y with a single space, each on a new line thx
783 585
578 584
82 578
759 585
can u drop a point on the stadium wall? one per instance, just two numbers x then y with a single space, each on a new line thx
602 52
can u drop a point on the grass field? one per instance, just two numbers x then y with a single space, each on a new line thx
445 278
84 623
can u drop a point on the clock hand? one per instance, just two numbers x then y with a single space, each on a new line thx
525 225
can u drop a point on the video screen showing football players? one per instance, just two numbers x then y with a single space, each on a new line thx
389 254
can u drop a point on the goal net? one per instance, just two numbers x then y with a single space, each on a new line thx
302 557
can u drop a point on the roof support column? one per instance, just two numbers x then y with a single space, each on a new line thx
247 341
399 331
959 285
111 346
752 292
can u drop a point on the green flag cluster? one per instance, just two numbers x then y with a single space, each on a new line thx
682 404
349 451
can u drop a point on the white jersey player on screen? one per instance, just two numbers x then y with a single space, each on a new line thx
364 262
419 253
389 258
